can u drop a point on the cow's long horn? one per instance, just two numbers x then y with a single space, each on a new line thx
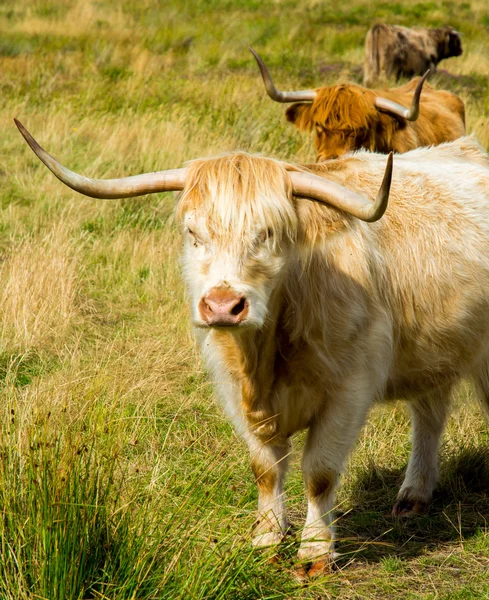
277 95
410 114
308 185
125 187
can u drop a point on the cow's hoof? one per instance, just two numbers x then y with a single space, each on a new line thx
405 507
318 568
265 540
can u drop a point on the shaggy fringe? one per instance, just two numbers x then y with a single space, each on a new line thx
246 191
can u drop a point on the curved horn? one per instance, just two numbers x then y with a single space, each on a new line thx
125 187
308 185
277 95
410 114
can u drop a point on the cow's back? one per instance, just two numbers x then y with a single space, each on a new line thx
436 250
424 267
441 116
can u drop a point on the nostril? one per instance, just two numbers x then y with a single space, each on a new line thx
239 307
205 307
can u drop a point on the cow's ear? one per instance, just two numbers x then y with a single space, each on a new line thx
383 131
299 114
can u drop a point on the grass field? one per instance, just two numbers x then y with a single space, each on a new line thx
120 477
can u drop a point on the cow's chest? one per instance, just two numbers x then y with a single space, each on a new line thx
281 392
297 390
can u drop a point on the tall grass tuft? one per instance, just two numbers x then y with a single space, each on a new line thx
61 532
73 527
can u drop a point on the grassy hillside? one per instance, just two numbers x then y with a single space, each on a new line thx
120 478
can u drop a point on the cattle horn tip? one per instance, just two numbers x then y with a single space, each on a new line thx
273 92
35 146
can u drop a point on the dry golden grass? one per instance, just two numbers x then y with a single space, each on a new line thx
39 290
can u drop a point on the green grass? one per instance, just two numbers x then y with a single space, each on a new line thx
119 475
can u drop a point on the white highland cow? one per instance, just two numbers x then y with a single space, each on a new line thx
307 311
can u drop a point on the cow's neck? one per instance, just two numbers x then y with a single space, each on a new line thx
250 357
439 37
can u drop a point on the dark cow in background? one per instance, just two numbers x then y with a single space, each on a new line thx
348 117
394 51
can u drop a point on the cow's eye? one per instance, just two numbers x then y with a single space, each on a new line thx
195 239
266 234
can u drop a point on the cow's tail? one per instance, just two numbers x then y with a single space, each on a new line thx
372 66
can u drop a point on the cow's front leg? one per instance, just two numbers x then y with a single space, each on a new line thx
329 441
269 464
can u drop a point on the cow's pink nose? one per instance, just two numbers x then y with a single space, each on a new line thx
223 307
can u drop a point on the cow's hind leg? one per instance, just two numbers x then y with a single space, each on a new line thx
428 416
269 464
481 378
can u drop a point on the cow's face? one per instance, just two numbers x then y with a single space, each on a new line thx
453 43
343 117
239 223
